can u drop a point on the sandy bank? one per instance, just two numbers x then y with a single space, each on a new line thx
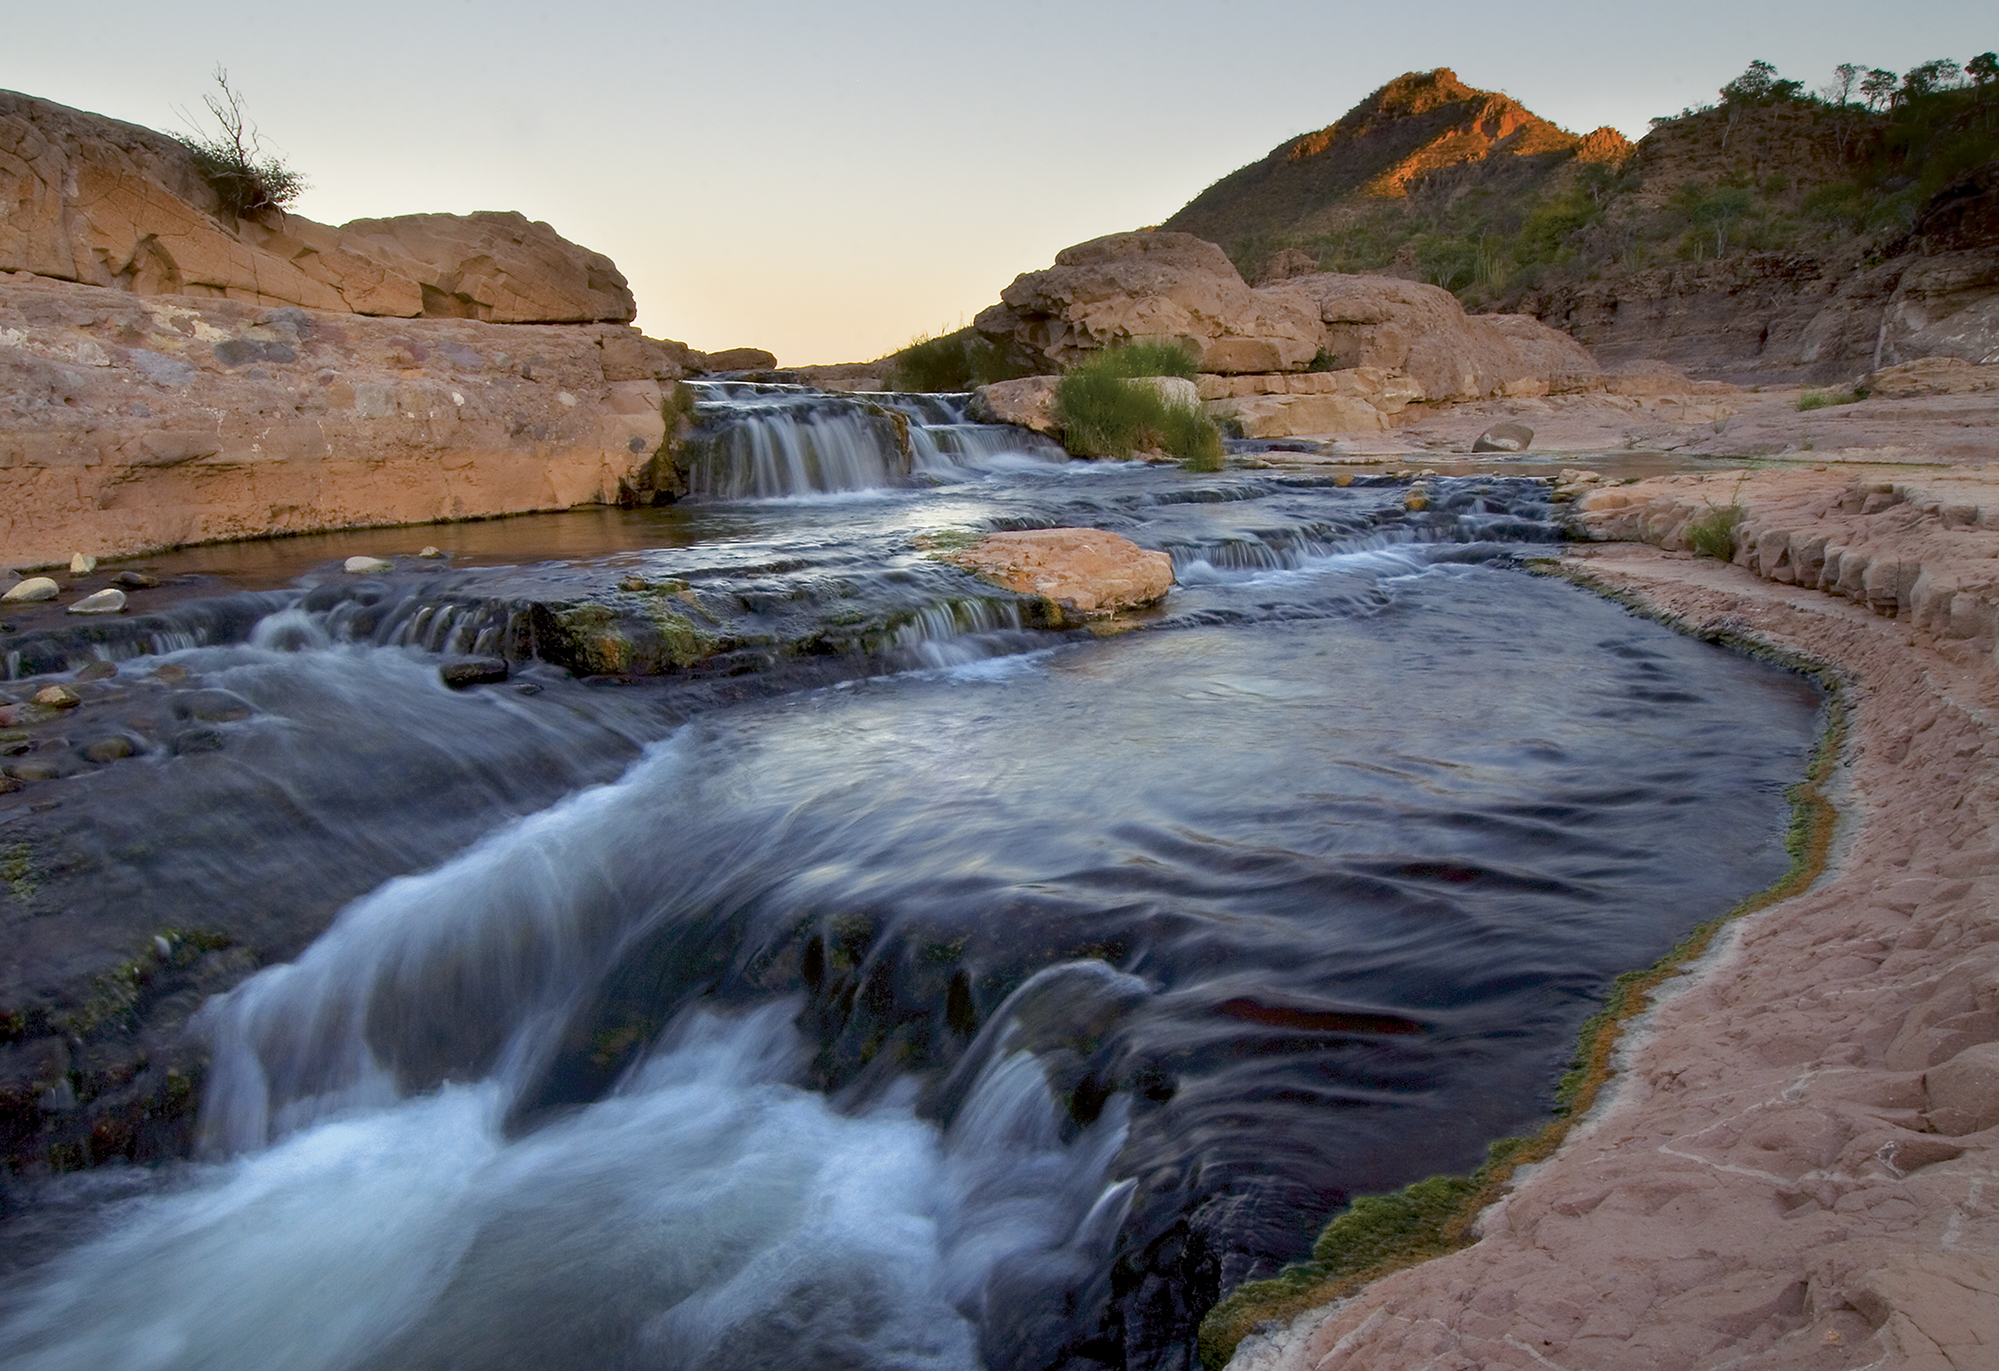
1794 1171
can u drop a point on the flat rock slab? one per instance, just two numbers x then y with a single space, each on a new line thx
1085 573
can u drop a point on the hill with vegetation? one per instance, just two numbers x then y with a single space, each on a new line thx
1704 242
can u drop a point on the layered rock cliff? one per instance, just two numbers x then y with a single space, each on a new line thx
93 200
130 423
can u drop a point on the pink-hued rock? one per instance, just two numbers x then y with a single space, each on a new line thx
1174 286
1084 573
106 203
1794 1168
130 423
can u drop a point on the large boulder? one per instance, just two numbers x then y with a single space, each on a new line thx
1149 285
94 200
496 265
1423 332
1028 402
1153 285
130 423
1082 573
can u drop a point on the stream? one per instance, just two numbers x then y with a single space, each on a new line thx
893 983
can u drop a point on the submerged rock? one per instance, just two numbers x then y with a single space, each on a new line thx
472 671
1083 573
58 697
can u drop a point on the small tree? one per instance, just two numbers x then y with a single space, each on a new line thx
1845 77
1878 87
1928 78
1720 210
1753 85
1983 69
246 179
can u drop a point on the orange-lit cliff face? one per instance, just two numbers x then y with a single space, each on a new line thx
1453 123
1417 125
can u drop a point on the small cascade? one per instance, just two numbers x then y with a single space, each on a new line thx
764 441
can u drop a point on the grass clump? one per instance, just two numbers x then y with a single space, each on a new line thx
1106 409
950 362
1820 399
1713 533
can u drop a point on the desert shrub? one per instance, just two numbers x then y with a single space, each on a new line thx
1150 357
1713 533
952 361
1104 415
246 179
1820 399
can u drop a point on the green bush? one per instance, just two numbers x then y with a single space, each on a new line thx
246 179
953 361
1819 399
1104 415
1713 533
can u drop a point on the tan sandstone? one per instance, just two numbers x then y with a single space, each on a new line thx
1795 1169
130 423
94 200
1084 573
1174 286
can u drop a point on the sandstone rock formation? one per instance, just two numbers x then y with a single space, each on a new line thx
130 422
1028 402
1083 573
1150 285
93 200
1396 341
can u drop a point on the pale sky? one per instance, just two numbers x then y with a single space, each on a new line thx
827 181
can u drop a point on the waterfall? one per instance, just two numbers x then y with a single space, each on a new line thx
764 441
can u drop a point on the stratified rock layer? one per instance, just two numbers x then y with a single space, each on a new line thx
132 423
93 200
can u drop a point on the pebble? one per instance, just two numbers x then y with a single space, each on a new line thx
111 601
98 671
112 749
58 697
213 706
8 785
368 566
33 771
135 580
431 552
34 588
471 671
9 715
198 740
80 565
170 673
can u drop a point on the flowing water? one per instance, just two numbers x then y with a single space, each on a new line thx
914 988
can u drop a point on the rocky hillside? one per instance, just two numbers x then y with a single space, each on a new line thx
1774 235
1417 134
